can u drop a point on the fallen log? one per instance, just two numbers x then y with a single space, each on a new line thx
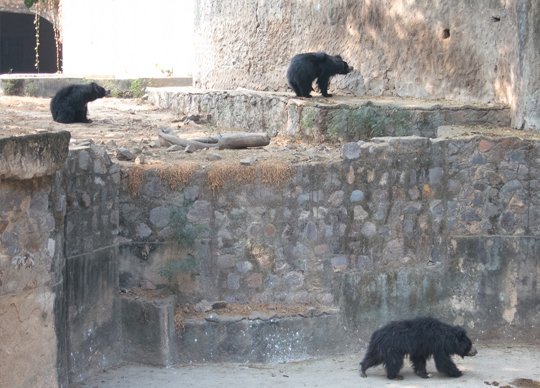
166 137
233 140
242 140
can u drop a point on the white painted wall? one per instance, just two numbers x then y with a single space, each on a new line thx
128 38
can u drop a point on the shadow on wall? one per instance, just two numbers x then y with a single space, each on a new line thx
436 49
404 39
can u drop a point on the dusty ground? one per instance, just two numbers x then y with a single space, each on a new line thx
493 366
134 124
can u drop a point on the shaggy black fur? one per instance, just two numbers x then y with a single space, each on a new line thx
420 338
307 67
69 105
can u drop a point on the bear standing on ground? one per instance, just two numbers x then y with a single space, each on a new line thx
69 105
420 338
307 67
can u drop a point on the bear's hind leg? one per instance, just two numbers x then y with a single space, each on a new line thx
393 364
445 365
296 89
65 115
419 366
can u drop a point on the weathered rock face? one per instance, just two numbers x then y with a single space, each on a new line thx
473 51
31 257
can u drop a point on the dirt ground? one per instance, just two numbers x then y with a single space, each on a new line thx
134 123
494 366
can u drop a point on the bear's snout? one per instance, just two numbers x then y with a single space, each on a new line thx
472 352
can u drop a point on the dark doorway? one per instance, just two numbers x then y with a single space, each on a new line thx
18 42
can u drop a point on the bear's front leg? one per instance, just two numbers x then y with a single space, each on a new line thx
323 83
445 365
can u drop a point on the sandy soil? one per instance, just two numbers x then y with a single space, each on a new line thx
493 366
134 124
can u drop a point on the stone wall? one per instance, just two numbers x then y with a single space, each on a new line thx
393 228
92 313
461 50
59 311
399 227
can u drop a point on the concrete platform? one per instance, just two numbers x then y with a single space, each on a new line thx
339 118
503 366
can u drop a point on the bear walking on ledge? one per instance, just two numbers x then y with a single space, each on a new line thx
69 105
307 67
420 338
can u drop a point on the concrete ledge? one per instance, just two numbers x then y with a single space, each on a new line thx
258 340
33 156
340 118
40 85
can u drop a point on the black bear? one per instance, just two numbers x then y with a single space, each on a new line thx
69 104
307 67
420 338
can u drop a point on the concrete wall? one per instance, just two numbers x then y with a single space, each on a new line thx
472 51
31 259
127 39
59 312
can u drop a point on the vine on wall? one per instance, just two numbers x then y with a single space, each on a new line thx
52 8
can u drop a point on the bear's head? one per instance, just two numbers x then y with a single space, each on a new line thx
464 346
98 91
342 66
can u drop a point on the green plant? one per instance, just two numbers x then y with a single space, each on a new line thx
12 87
185 234
184 231
172 268
137 87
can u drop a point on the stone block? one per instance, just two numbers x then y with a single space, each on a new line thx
33 156
148 330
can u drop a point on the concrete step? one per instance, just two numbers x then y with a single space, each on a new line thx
151 335
339 118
